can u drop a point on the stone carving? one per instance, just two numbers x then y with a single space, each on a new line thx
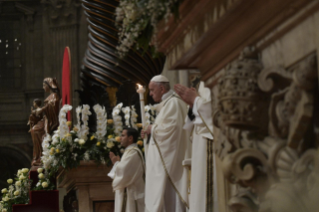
239 95
291 109
28 12
245 201
277 169
65 10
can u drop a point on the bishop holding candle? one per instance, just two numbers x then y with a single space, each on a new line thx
166 178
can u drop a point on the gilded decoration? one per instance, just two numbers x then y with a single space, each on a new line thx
267 117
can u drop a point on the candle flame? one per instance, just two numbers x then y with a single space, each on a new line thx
139 86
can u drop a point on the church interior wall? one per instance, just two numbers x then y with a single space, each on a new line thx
42 50
36 41
290 48
287 44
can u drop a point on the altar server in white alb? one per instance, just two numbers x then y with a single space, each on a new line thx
166 178
128 174
199 121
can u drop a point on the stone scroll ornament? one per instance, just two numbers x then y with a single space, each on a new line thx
268 117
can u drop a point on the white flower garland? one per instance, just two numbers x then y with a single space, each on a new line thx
134 18
17 190
134 118
59 151
101 121
46 158
150 114
117 119
126 110
84 131
64 131
78 112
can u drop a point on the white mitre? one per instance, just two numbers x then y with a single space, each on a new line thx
159 78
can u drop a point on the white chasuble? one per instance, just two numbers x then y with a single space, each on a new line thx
128 181
202 127
168 147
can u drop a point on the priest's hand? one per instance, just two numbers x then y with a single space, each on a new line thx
188 95
114 158
147 131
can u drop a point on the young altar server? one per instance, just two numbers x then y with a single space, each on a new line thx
128 174
199 121
166 178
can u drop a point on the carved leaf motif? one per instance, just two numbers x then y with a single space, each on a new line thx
269 76
271 147
243 165
242 204
300 192
244 201
278 125
307 167
285 160
228 138
305 73
301 119
273 166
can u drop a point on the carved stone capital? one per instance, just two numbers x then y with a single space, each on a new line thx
61 12
28 12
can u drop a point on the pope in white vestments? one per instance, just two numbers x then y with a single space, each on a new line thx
199 121
166 178
128 175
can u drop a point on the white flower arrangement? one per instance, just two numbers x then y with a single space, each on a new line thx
117 119
77 127
78 144
134 118
85 118
126 110
67 148
64 128
150 114
17 192
130 117
137 22
101 124
44 181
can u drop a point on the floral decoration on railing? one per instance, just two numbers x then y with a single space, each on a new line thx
137 21
44 182
66 148
17 191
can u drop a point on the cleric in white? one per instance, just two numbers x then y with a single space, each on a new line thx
199 121
128 175
166 178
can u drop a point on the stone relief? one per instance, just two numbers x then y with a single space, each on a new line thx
61 11
268 118
28 12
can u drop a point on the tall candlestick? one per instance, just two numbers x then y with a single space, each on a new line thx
141 91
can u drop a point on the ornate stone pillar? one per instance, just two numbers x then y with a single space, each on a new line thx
267 120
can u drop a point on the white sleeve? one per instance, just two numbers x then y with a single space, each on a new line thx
111 174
